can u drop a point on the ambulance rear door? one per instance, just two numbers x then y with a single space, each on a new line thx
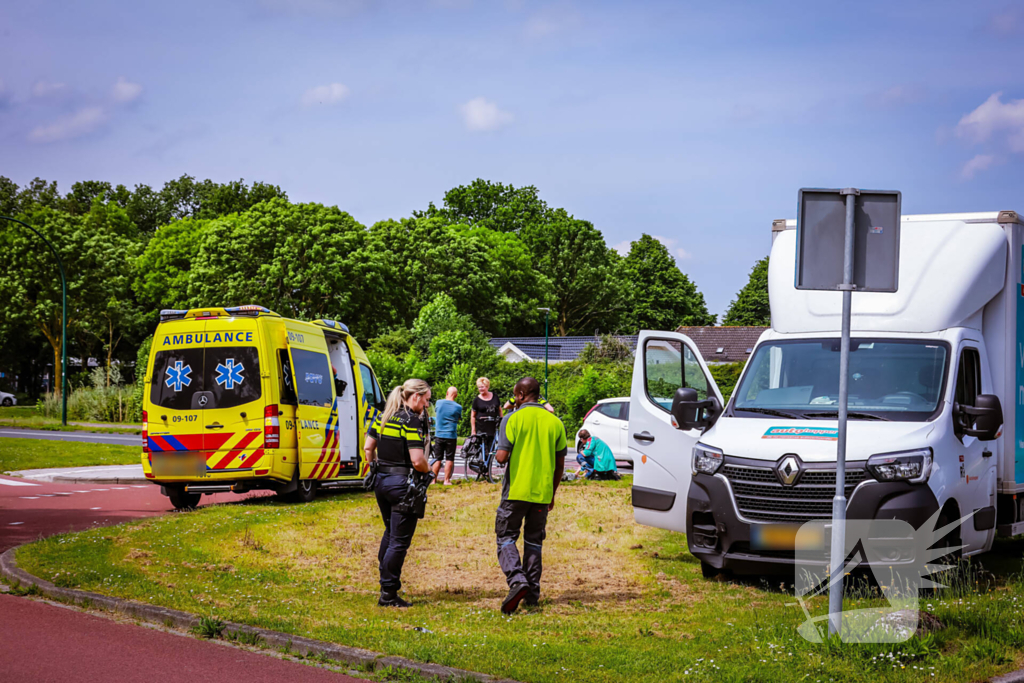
315 414
176 407
232 378
346 404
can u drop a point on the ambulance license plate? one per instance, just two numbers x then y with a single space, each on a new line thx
179 465
784 537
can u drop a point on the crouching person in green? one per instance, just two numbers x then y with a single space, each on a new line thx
532 441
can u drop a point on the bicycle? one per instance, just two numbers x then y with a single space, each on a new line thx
480 466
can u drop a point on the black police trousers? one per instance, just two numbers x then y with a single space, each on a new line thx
398 529
533 519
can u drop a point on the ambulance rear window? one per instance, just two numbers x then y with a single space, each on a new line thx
229 376
232 375
177 375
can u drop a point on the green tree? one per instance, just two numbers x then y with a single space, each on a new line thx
661 296
585 294
300 260
424 256
439 315
80 199
93 248
482 203
164 270
751 307
186 198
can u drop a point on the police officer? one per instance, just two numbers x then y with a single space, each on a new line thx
396 442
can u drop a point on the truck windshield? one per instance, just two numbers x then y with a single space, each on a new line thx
889 379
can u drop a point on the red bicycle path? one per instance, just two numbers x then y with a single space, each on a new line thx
42 642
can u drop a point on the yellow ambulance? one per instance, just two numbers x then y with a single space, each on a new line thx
240 398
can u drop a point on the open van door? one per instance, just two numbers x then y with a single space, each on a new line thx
314 415
662 454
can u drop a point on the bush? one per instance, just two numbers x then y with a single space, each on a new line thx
99 403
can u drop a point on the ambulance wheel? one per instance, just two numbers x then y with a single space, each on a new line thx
306 491
182 500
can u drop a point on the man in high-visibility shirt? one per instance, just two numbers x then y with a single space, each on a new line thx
532 441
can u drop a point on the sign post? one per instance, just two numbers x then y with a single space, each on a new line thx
855 233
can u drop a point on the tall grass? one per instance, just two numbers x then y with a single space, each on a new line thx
118 402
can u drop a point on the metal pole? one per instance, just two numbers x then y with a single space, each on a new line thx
63 322
547 317
837 560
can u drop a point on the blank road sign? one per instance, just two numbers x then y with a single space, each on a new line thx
821 234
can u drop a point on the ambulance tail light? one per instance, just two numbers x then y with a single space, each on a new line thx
271 427
145 432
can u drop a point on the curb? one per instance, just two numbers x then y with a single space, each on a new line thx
83 480
1012 677
164 616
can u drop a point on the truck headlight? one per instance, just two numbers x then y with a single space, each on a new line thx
911 466
706 460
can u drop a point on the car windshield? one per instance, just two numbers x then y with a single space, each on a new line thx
889 379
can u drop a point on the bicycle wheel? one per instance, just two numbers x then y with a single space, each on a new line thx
495 470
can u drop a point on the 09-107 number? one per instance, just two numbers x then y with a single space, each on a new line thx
184 418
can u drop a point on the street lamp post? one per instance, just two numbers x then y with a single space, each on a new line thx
547 317
63 322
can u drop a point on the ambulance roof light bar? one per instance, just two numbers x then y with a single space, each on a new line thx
171 314
250 309
333 324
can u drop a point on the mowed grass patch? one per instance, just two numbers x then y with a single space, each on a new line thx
621 601
29 417
30 454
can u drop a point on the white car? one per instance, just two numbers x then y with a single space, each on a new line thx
609 421
7 400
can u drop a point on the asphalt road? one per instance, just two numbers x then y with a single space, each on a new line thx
97 649
88 437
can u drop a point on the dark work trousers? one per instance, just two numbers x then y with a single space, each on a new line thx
398 529
533 519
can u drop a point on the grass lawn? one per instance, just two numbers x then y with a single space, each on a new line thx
621 601
29 454
27 417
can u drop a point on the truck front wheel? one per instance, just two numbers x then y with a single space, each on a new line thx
181 499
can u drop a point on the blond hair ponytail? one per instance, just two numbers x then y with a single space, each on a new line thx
399 395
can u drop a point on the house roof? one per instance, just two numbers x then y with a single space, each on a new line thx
559 348
723 344
735 343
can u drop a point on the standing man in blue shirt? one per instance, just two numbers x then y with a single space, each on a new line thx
447 414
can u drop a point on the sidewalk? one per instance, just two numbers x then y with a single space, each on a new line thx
99 474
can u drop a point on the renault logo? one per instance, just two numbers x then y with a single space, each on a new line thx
788 470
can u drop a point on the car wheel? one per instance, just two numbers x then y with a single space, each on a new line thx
8 402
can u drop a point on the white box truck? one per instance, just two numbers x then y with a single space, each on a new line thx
936 404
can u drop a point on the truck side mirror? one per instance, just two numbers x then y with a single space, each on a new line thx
692 413
984 418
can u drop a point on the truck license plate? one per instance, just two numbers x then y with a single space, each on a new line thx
784 537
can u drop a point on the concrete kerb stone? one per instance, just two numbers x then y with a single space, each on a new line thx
103 480
163 616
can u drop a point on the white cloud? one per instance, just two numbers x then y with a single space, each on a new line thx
898 96
623 247
678 253
995 116
979 163
82 122
43 90
480 114
551 21
325 94
125 91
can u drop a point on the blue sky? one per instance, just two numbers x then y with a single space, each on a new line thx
694 122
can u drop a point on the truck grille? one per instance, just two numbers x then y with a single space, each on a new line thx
760 496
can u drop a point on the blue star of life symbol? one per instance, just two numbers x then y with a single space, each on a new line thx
178 376
231 374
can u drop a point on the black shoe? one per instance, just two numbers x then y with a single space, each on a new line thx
515 595
388 599
531 602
